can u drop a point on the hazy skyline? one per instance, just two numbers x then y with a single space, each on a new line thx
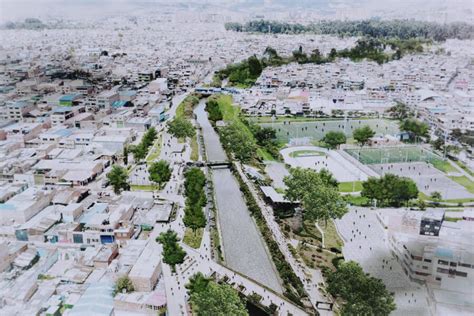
456 10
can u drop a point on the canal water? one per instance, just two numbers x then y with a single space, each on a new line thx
244 249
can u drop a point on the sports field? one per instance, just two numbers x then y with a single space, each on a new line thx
397 154
317 129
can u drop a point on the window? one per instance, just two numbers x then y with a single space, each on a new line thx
465 265
443 262
441 270
461 274
453 264
438 278
427 260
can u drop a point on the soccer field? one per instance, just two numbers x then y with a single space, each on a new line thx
317 129
371 156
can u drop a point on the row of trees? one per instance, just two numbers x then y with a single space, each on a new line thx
195 181
404 29
141 150
317 193
236 138
210 298
390 190
265 137
173 253
362 294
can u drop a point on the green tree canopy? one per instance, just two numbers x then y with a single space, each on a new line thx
363 294
118 178
334 139
390 189
415 128
173 254
124 283
400 111
213 110
217 300
363 134
317 193
237 139
194 184
197 283
180 127
159 172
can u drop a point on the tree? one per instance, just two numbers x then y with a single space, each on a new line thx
180 128
436 197
421 204
328 179
197 283
219 300
415 128
334 139
160 172
400 111
124 283
125 155
255 67
362 293
438 144
213 110
363 135
194 184
173 254
118 178
139 152
238 140
390 189
317 193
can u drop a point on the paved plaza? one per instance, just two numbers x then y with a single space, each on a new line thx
427 178
342 169
365 242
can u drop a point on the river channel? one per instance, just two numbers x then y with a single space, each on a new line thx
244 249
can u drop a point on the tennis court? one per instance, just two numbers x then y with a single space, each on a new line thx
370 156
317 129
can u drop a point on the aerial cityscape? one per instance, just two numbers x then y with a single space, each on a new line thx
248 157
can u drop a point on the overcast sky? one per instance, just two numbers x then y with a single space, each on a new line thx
77 9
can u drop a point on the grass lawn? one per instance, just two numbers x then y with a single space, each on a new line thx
193 239
350 186
357 200
423 196
465 168
306 153
155 150
229 112
142 188
332 238
264 155
465 182
194 148
444 166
